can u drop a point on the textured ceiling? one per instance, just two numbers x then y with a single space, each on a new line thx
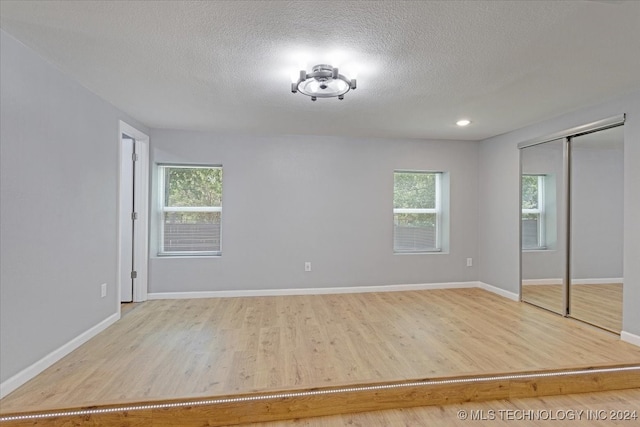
227 66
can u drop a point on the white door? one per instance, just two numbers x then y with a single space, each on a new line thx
133 214
127 179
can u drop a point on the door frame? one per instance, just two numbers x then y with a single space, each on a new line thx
141 236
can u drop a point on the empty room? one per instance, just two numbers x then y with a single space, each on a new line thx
319 213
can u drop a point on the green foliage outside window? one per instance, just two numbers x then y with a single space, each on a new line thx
530 192
193 187
414 190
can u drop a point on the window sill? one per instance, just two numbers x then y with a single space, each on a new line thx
433 252
186 256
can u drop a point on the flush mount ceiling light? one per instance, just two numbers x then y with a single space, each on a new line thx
463 122
323 81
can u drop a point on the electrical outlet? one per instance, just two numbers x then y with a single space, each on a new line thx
469 262
307 266
103 290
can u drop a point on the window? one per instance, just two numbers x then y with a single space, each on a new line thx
533 212
417 211
191 209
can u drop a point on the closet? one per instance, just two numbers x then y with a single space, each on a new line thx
571 223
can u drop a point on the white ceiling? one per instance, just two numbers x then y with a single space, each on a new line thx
420 65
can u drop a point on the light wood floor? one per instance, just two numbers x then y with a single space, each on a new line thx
505 412
202 347
127 307
600 305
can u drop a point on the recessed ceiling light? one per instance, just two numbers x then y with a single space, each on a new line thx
463 122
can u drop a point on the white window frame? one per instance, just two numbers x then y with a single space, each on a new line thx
437 210
540 211
162 209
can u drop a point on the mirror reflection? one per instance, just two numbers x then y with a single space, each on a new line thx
543 262
597 182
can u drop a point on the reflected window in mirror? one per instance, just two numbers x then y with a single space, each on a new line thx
533 212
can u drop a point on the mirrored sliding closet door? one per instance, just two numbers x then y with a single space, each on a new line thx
571 223
543 225
597 229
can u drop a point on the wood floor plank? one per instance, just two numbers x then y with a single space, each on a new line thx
598 304
285 404
204 347
584 409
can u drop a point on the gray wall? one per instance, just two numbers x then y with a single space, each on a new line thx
328 200
498 219
597 187
58 183
597 211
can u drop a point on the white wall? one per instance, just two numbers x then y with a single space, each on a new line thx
498 213
59 173
328 200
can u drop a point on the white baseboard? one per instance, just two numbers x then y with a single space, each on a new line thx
530 282
310 291
499 291
29 372
605 281
337 290
630 338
